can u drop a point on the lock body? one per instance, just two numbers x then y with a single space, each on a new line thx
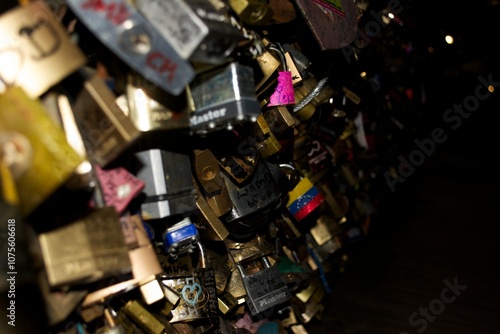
234 103
180 238
131 38
168 183
265 288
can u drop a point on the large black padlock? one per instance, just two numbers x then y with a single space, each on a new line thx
265 288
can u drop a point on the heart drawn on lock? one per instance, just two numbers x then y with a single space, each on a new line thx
191 293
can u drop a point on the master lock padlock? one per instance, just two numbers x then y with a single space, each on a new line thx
265 288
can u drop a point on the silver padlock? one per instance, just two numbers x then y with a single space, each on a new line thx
234 103
265 288
199 30
132 38
168 182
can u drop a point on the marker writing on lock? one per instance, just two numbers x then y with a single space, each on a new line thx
117 13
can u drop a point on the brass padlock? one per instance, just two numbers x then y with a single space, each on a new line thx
252 12
37 50
208 223
262 137
85 250
198 293
106 131
265 288
152 109
143 318
34 148
305 111
212 186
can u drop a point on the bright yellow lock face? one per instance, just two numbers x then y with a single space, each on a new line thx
34 148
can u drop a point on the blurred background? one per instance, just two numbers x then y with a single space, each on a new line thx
441 223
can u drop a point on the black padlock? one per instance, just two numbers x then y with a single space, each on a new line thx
265 288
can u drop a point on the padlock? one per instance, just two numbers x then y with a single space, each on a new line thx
180 238
268 65
37 51
137 43
199 30
105 129
304 108
35 149
235 286
288 228
207 222
252 12
58 106
283 10
304 199
250 250
253 202
240 165
198 293
301 61
59 304
212 186
262 137
279 120
226 302
234 103
292 67
143 318
169 186
143 259
150 108
282 93
85 250
119 187
219 260
337 200
265 288
316 161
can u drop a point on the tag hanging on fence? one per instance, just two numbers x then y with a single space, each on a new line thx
284 93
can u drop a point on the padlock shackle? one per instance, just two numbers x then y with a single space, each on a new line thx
202 260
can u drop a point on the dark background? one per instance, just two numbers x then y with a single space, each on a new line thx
442 222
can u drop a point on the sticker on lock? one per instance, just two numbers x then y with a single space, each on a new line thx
304 199
265 288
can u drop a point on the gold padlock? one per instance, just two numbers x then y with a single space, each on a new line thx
37 50
35 149
252 12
